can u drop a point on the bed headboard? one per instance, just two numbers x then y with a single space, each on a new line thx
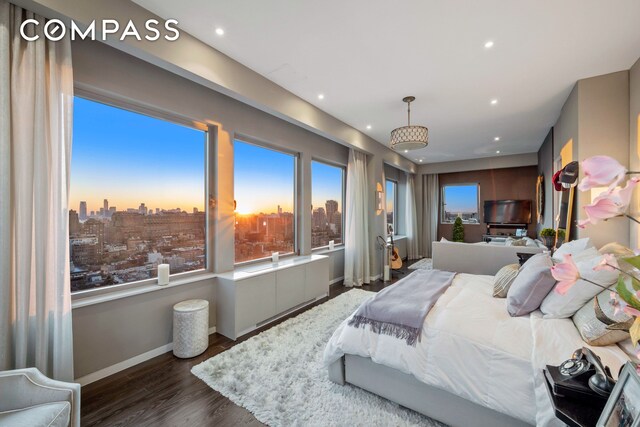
475 258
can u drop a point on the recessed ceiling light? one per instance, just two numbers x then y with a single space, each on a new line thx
368 127
488 44
494 101
406 151
420 160
220 31
497 138
498 152
321 96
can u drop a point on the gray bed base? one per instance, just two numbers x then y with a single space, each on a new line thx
407 391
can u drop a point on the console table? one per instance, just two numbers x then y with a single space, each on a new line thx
252 296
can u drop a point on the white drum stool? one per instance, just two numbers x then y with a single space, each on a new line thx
190 328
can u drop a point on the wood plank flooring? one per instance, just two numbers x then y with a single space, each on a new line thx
163 392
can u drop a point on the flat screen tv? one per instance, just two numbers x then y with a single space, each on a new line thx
507 211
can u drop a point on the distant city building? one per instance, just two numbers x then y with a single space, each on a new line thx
74 223
332 207
142 209
83 211
105 205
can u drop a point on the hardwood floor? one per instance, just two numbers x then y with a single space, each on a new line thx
163 392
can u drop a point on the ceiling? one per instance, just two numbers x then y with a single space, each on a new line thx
364 56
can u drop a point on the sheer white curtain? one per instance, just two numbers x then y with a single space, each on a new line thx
411 221
36 100
430 206
356 240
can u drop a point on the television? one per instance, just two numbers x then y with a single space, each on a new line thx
507 211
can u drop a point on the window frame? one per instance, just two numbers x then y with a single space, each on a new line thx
395 205
443 202
257 142
343 201
210 134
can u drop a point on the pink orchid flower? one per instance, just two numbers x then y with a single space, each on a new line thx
631 311
618 304
566 273
600 171
609 204
608 263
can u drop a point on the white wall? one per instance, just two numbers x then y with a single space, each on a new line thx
634 145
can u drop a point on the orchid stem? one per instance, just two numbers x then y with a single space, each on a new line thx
606 288
632 218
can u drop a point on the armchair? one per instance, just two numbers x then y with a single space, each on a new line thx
27 397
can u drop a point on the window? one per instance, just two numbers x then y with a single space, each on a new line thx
327 184
264 185
392 199
460 200
137 196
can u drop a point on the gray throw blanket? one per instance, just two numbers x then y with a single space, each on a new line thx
400 309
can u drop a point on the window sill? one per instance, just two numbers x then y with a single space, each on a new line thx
464 223
84 301
267 267
325 249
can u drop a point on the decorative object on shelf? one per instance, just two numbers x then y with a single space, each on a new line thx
623 406
332 245
163 274
560 236
458 230
614 201
540 198
409 137
275 257
548 236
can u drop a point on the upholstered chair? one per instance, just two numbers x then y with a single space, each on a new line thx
28 398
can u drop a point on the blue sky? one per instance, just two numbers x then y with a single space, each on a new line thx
326 184
461 198
130 159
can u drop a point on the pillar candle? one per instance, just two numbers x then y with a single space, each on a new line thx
163 274
275 256
331 245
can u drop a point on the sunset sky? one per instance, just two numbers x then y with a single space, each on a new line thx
129 158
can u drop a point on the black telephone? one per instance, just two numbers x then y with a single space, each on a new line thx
582 376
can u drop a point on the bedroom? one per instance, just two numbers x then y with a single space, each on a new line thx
286 178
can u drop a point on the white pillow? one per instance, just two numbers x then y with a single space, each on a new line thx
573 247
556 306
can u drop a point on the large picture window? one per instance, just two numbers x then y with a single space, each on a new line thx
137 196
327 193
391 203
460 200
264 185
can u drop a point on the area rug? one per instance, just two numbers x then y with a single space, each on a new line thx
423 264
278 375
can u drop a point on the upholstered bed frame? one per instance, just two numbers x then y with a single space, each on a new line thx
405 389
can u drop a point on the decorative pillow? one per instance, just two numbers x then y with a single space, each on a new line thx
503 280
531 285
556 306
573 247
593 331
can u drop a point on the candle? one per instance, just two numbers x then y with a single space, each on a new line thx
331 245
275 256
163 274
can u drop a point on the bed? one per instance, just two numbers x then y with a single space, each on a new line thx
474 364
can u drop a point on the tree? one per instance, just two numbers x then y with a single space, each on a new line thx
458 230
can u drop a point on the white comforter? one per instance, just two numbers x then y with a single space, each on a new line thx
471 347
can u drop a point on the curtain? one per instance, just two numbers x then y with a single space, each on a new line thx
430 206
36 101
356 241
411 221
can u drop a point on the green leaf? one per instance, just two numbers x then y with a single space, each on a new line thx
626 294
635 284
634 261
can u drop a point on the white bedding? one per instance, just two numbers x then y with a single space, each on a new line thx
471 347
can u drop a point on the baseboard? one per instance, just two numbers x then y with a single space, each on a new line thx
125 364
336 280
374 278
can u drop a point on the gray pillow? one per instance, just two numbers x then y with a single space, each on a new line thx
531 285
593 331
503 279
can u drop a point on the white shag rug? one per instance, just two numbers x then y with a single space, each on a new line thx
423 264
279 376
